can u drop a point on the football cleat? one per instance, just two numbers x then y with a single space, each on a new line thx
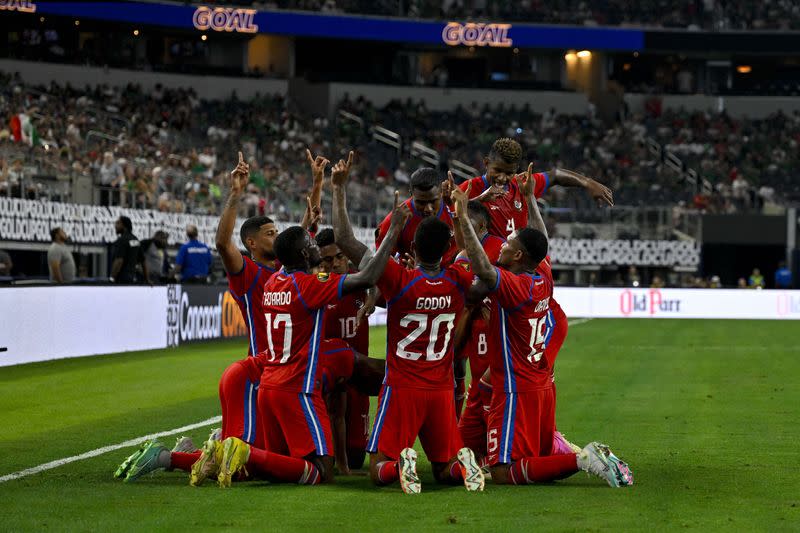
148 461
407 464
216 434
235 453
184 444
598 459
123 468
561 446
474 480
208 463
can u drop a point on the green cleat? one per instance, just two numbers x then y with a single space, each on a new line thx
122 469
149 460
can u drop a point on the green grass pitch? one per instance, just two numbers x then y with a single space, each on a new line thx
705 412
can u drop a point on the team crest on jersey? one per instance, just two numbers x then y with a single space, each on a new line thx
323 276
518 204
465 266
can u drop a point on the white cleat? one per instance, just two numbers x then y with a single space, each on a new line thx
216 434
184 444
598 459
474 480
407 464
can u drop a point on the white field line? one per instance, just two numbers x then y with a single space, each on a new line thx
139 440
106 449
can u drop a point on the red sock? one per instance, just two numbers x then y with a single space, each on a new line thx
533 469
456 471
183 460
283 468
388 472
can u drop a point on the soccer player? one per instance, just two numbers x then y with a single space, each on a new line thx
426 201
417 396
522 415
499 187
345 320
472 423
295 424
344 372
238 386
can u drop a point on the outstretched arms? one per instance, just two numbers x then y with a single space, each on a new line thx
342 230
481 265
568 178
535 220
229 252
369 275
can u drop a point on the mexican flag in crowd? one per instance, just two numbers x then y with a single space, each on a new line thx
23 130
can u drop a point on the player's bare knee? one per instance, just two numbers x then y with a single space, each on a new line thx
500 474
441 472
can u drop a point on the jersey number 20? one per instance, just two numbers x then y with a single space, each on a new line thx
436 324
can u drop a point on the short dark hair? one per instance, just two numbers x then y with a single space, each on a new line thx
436 236
425 179
251 226
534 244
325 237
54 232
506 150
126 223
289 245
476 209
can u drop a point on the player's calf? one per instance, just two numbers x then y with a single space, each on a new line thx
463 468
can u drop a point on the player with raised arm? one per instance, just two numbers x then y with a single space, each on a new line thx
238 386
417 396
499 188
345 321
426 201
473 421
522 415
294 420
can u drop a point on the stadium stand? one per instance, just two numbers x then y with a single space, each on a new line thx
694 14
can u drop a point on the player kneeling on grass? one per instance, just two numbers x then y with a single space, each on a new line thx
417 396
522 415
291 408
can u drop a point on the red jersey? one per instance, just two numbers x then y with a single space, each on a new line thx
521 326
421 315
337 361
340 322
407 234
477 347
294 318
510 212
247 287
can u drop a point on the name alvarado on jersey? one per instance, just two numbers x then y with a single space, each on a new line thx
277 298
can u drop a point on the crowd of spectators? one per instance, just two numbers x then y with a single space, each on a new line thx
745 164
691 14
163 149
166 149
